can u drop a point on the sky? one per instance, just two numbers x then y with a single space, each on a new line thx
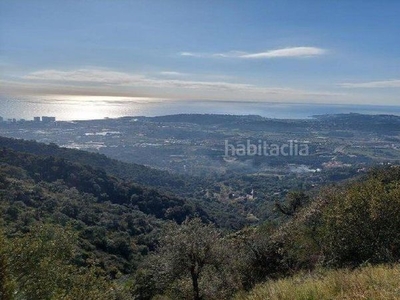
306 51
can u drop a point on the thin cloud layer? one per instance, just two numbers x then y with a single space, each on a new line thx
292 52
395 83
113 79
288 52
125 79
172 73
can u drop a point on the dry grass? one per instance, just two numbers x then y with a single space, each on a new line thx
378 282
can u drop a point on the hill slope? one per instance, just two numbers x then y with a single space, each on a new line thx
116 220
373 282
138 173
222 214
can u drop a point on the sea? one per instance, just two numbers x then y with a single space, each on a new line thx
69 108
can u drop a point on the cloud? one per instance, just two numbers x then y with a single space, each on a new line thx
191 54
85 76
234 54
172 73
108 77
288 52
113 82
293 52
394 83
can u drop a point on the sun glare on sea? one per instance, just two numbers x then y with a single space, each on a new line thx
74 107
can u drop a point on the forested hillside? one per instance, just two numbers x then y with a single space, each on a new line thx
112 216
344 226
72 231
138 173
223 214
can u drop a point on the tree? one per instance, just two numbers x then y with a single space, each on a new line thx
361 223
295 200
40 267
6 287
189 249
192 261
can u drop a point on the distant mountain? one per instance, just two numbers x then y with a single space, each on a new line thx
385 124
204 119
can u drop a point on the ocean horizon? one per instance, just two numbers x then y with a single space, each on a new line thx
70 108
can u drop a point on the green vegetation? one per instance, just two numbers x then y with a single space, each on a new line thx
191 262
138 173
116 221
223 214
372 282
72 231
343 226
39 265
349 224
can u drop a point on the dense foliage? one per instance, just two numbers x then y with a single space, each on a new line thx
138 173
349 225
40 265
72 231
116 220
223 214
